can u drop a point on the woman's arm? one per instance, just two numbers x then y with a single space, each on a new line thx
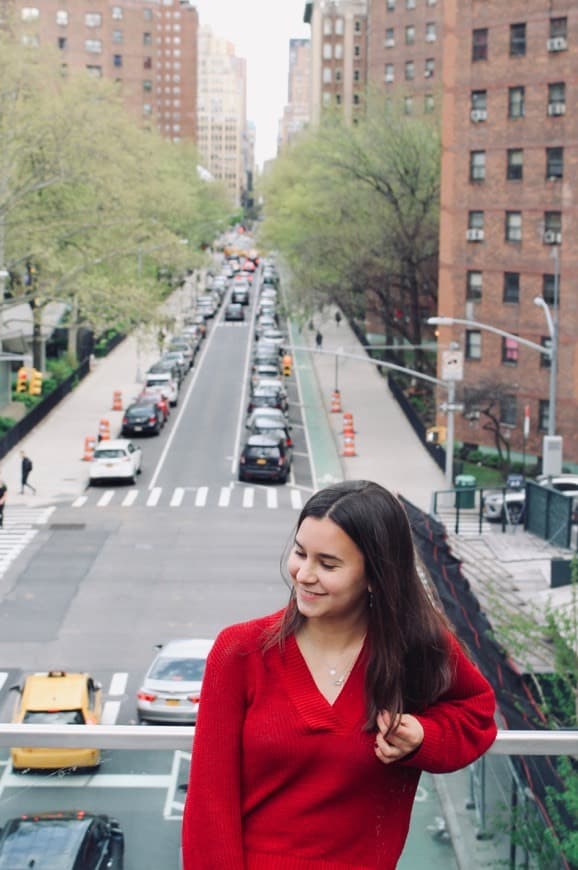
212 830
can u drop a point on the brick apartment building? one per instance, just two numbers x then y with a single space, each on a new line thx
508 206
338 55
149 48
297 112
405 39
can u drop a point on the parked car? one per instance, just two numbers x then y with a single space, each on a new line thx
269 426
164 380
178 358
57 698
234 311
188 348
264 370
515 499
207 306
274 337
271 383
266 321
264 458
160 397
172 685
170 367
266 352
197 319
267 306
272 413
268 397
240 294
64 840
143 417
115 459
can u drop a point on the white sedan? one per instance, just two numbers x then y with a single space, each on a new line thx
115 459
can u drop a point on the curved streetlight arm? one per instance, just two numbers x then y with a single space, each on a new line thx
450 321
541 303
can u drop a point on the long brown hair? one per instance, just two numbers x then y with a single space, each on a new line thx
408 666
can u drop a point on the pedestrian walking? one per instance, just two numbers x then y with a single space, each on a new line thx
318 339
25 469
315 722
3 495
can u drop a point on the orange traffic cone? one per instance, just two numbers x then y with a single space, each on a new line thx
89 443
336 402
348 424
104 430
349 445
117 400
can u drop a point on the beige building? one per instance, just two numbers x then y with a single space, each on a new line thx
149 49
338 55
222 113
297 113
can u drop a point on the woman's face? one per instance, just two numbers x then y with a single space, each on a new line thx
327 570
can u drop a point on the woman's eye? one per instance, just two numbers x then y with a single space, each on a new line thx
327 567
299 553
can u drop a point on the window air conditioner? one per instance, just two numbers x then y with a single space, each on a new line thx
557 43
478 115
474 234
552 238
389 43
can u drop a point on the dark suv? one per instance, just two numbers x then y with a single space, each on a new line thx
68 840
144 416
265 458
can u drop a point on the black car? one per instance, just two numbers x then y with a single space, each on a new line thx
240 295
68 840
143 417
234 311
265 458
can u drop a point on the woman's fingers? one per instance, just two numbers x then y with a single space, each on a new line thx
405 736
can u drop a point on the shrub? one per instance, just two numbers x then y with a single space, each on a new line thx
6 423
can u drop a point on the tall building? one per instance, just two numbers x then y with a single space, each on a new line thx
338 55
405 39
222 113
297 112
508 210
149 49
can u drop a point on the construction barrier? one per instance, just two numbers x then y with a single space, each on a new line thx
89 444
117 400
349 445
104 430
336 402
348 428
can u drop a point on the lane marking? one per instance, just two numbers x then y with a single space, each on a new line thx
225 496
118 683
130 498
296 500
272 500
201 496
177 497
110 713
105 499
255 288
3 678
300 396
46 515
80 501
248 497
154 496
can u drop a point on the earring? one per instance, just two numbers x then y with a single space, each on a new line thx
370 598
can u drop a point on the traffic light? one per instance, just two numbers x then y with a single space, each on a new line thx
22 380
35 383
287 362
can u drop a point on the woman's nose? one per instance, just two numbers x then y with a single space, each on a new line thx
305 573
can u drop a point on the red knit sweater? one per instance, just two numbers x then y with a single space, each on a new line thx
283 780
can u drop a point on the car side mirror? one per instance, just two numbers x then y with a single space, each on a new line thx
16 688
158 646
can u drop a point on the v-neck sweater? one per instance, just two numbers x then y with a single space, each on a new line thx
283 780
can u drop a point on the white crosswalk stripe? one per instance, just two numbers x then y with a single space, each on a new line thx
225 497
130 498
106 498
201 497
272 501
177 497
20 528
154 496
118 683
190 498
248 497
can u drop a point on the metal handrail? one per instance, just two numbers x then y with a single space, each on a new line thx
136 737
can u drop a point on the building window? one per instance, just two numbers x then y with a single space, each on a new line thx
509 410
93 19
389 37
516 97
510 349
148 14
117 59
327 27
511 286
147 85
410 4
356 99
477 165
558 28
94 46
409 71
480 44
147 39
554 163
117 36
545 361
430 32
390 5
515 164
62 18
30 13
513 226
428 103
338 75
147 109
356 75
410 34
549 289
327 75
557 99
338 51
543 415
117 12
517 40
327 51
429 68
148 63
326 99
357 26
62 42
475 220
357 51
338 99
473 344
408 105
474 286
339 26
389 72
553 221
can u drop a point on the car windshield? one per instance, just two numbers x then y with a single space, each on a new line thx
56 841
54 717
139 410
177 670
109 453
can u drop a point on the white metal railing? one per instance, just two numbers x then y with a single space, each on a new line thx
137 737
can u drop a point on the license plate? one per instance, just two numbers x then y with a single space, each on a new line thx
261 462
137 428
172 702
109 464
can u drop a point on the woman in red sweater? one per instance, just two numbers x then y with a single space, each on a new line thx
315 722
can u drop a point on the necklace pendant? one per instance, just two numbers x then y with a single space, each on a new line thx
333 671
339 681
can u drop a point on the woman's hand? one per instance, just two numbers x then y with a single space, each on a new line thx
405 737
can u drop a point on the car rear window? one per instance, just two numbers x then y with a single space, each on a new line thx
139 410
262 453
109 454
54 717
179 670
54 845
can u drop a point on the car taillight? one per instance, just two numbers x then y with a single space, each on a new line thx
152 419
146 696
289 442
194 698
124 421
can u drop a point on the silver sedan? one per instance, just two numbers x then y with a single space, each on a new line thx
172 686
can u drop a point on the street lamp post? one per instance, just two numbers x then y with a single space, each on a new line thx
552 320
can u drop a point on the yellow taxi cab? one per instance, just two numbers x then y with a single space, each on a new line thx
57 698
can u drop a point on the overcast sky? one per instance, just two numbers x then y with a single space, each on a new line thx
260 31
